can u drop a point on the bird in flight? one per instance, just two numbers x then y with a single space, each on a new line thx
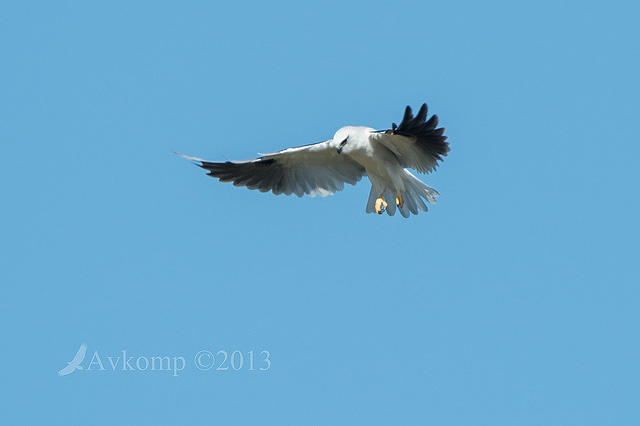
74 364
385 156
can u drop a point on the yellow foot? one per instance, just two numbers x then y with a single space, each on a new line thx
381 205
399 200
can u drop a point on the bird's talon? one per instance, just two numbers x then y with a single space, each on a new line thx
381 205
399 200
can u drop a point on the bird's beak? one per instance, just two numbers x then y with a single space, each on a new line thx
339 149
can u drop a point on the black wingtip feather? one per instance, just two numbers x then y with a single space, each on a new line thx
422 114
408 115
429 138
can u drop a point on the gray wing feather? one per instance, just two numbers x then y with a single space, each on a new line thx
315 169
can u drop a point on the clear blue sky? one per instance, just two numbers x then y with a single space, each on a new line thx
513 301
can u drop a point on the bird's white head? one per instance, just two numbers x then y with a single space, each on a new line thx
341 138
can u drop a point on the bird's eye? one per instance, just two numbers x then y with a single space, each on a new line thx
344 141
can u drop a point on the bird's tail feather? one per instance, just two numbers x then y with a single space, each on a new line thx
415 194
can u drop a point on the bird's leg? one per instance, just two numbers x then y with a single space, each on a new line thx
381 205
399 199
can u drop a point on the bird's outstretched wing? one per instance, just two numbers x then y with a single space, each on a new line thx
416 142
315 169
79 355
70 368
75 362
